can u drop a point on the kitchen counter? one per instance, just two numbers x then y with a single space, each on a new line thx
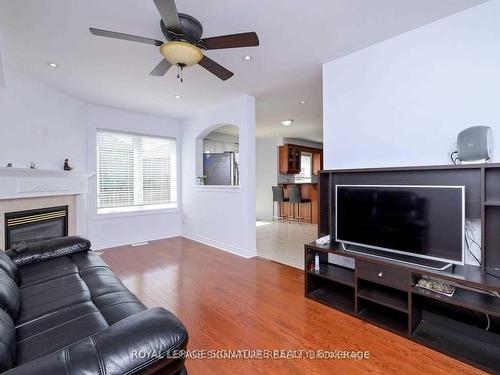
297 183
308 190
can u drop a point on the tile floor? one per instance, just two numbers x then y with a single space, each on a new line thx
283 242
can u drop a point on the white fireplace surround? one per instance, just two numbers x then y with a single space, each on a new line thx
19 186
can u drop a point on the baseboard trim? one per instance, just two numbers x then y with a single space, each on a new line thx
124 242
220 245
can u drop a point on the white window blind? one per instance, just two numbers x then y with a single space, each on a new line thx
135 171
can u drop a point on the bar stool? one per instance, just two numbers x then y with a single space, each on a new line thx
295 197
279 197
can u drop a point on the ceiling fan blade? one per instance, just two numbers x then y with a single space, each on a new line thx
215 68
232 41
161 68
169 15
133 38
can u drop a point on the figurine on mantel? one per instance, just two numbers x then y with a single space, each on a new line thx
67 167
32 165
9 165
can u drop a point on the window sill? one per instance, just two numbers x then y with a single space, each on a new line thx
218 188
139 211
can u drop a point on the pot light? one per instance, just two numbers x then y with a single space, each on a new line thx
247 58
287 122
178 96
52 64
302 102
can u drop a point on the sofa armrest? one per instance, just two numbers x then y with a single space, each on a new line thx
43 250
138 343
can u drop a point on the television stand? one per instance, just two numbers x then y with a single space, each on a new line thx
407 259
385 293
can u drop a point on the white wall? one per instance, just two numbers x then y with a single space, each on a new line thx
2 75
41 125
223 217
110 230
403 101
267 176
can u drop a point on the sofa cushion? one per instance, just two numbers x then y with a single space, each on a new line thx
57 336
44 298
8 265
36 273
10 297
42 250
7 342
66 300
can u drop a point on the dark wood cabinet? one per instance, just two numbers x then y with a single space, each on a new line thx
290 159
317 163
384 292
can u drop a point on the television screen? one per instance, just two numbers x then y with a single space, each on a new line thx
421 221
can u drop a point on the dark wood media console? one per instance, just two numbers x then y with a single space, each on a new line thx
383 292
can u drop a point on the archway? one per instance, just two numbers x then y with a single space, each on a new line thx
218 156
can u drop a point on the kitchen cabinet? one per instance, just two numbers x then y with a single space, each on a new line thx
289 159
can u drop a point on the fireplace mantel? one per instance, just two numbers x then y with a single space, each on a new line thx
29 183
20 183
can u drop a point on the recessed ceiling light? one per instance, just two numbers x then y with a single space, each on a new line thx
52 64
302 102
287 122
247 58
178 96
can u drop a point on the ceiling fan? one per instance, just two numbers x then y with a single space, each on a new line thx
184 46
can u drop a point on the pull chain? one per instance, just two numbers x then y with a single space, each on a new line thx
179 72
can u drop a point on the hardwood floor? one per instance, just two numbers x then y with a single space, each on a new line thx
228 302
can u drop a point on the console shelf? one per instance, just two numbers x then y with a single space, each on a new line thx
492 203
385 318
335 273
484 303
384 296
460 341
340 300
383 292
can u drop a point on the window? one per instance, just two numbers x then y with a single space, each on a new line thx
135 172
305 174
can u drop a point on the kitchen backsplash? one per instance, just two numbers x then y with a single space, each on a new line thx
292 179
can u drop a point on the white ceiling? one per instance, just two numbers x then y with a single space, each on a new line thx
296 37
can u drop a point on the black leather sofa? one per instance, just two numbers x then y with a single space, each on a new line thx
63 311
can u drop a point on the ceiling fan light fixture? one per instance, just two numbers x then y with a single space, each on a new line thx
181 53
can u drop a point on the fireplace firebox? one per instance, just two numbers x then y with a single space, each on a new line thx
35 225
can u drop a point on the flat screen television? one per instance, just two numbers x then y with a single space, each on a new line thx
418 221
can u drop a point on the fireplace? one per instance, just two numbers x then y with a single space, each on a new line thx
35 225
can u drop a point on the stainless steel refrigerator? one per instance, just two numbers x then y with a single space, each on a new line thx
220 168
